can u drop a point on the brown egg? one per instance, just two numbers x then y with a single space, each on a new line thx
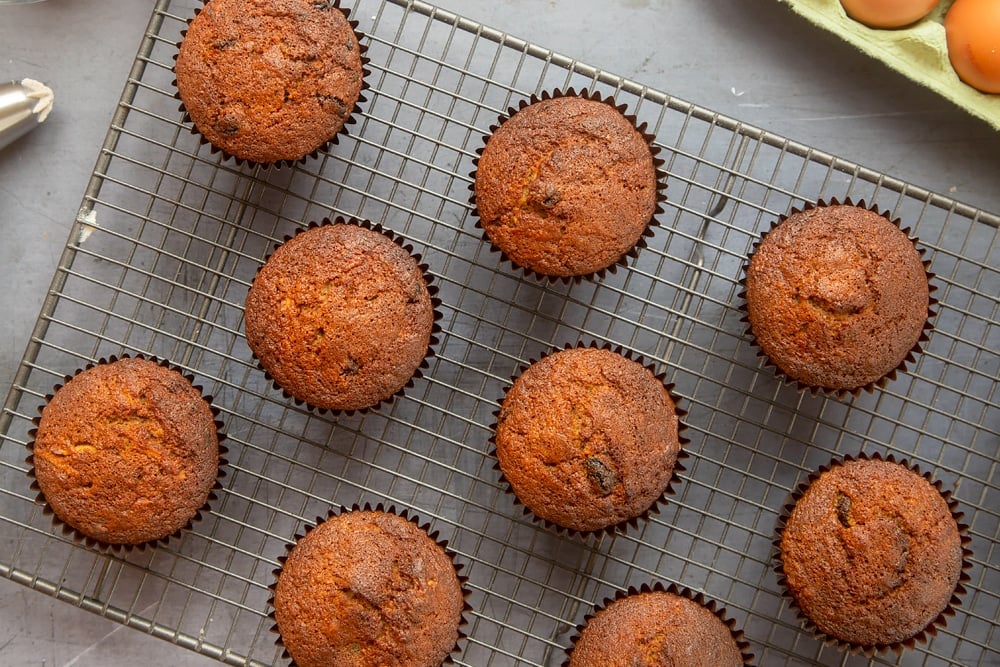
888 13
972 28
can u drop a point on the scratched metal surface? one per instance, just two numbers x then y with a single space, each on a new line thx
179 234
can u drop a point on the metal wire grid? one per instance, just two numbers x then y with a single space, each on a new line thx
169 238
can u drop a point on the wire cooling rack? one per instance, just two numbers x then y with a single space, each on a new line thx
169 238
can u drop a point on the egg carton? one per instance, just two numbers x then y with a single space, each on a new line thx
918 51
170 235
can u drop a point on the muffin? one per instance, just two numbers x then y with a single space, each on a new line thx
341 316
126 452
270 81
567 186
588 439
368 587
872 554
837 297
654 626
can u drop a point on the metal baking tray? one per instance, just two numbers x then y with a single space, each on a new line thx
169 237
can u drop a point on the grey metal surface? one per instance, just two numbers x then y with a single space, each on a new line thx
178 236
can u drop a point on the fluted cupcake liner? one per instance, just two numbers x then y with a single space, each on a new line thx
93 542
436 303
367 507
620 526
870 650
660 177
841 393
321 148
742 645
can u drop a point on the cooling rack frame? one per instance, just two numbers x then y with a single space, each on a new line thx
169 236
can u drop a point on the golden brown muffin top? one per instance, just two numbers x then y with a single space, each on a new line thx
127 452
655 629
587 438
368 588
837 296
340 316
269 80
871 552
566 186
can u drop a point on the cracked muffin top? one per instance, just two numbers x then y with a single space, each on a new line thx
566 186
587 439
340 316
269 80
368 587
837 297
871 552
126 452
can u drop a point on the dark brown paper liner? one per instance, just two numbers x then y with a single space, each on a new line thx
931 629
910 358
405 514
432 290
720 612
94 543
621 526
325 146
661 186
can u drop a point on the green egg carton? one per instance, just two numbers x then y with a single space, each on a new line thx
919 51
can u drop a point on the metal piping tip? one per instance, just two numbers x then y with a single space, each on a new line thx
24 105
